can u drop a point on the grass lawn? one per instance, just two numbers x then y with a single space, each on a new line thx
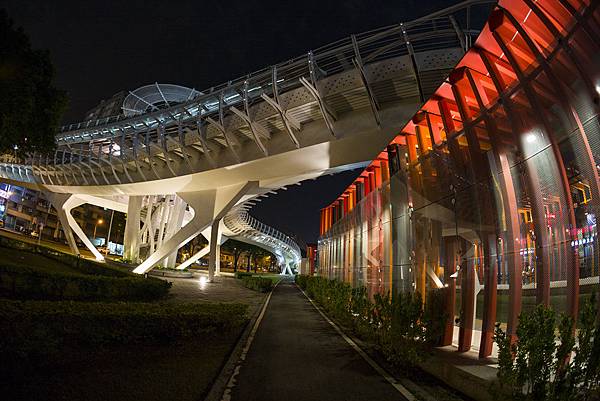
183 371
17 257
274 277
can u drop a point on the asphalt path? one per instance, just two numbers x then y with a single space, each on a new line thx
296 355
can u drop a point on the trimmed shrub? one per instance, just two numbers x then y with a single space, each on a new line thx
435 316
38 330
241 275
401 326
538 363
20 282
301 280
258 283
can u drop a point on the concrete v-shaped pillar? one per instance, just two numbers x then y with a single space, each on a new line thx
64 203
204 251
208 206
147 227
286 270
173 225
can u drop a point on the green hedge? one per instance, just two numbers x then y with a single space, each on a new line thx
301 280
258 283
241 275
400 325
38 330
21 282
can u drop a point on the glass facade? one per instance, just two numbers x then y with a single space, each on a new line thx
492 190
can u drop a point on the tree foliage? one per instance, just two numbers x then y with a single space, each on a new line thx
238 249
31 107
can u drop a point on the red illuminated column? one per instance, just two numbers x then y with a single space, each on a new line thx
451 251
480 169
512 241
496 22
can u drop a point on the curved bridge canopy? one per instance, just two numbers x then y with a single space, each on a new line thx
334 108
154 97
246 228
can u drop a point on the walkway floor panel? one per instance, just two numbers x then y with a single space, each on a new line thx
297 355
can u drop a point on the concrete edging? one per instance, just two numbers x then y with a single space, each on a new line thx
459 378
170 273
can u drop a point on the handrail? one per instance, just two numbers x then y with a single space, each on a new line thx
240 222
290 70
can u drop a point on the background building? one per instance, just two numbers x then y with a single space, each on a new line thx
28 212
107 108
491 192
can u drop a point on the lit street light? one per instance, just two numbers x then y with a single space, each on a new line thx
100 221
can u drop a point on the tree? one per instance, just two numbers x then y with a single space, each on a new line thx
258 253
236 248
239 249
31 107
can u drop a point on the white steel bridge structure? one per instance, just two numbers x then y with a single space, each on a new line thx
181 162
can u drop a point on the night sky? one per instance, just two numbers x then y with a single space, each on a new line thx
102 47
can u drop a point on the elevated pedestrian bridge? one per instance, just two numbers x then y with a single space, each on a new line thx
331 109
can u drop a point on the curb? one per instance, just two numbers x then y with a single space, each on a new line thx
222 380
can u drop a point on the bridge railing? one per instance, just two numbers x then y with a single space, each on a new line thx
447 28
241 223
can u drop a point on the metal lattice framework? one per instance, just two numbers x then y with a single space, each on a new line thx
245 119
248 229
326 110
155 97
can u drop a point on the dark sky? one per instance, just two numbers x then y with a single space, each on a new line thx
102 47
296 210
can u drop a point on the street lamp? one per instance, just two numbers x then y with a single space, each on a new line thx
100 221
112 214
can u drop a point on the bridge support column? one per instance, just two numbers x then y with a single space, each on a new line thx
286 270
208 206
214 258
194 258
204 251
131 248
57 200
64 203
173 225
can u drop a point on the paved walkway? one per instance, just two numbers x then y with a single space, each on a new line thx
223 289
297 355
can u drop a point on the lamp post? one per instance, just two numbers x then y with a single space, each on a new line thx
112 214
100 221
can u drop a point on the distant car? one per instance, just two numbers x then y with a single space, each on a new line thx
34 234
